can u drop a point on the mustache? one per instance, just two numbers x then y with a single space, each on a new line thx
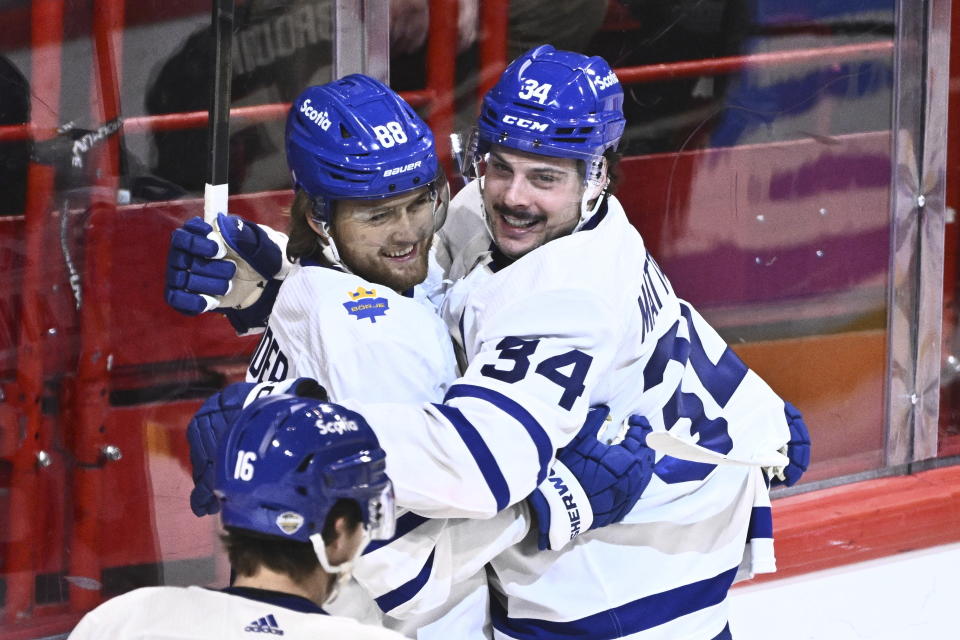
525 216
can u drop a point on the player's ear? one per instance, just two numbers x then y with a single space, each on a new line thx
343 546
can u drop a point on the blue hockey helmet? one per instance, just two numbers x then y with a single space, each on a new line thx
554 103
286 461
355 138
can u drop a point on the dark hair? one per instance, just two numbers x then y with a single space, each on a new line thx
303 240
250 550
613 169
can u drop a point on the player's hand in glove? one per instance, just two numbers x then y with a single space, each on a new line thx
592 484
235 269
210 424
797 450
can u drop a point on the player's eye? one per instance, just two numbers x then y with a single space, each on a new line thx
546 179
499 167
377 217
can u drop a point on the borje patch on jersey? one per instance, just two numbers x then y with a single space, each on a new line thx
364 303
289 522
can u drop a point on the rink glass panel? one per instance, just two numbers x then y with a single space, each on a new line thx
765 191
765 194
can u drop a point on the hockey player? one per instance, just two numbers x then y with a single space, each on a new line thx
567 310
302 489
369 196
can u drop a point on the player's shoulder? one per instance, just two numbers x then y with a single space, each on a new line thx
340 627
140 608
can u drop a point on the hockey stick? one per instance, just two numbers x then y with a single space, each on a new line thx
669 444
247 284
216 190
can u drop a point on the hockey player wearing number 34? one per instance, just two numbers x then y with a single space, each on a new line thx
331 495
567 310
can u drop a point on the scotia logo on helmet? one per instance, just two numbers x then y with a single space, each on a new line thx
321 118
524 123
606 81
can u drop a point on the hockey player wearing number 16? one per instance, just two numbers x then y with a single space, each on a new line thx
326 486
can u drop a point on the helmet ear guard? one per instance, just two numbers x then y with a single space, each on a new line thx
595 178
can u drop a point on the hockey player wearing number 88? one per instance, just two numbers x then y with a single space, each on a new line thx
299 502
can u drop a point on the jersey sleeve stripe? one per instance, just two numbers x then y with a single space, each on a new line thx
481 454
761 523
405 524
406 591
536 432
626 619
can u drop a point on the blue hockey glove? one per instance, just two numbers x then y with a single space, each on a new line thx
211 422
798 449
235 269
592 484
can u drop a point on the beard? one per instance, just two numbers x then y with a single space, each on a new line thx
380 270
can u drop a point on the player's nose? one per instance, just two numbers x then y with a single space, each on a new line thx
517 193
406 228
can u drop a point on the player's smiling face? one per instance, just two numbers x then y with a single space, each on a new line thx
530 199
386 241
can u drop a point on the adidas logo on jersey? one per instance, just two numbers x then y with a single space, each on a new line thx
267 624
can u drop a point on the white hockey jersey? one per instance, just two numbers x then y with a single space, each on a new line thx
584 320
359 340
162 613
367 342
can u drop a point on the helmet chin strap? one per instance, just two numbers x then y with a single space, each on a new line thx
329 248
343 570
595 191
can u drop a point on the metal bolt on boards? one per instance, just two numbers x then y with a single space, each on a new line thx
43 459
921 200
111 452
